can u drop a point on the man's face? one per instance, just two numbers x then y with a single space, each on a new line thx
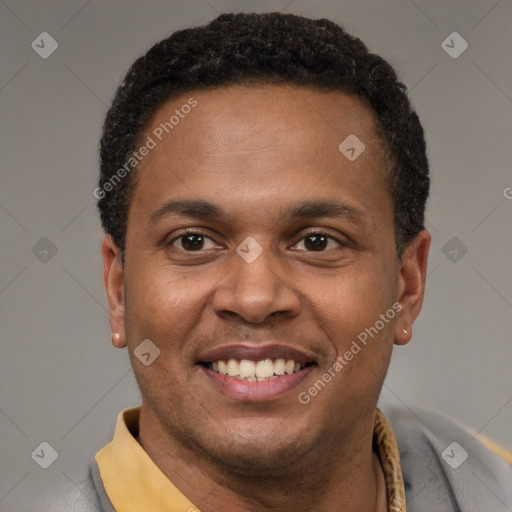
266 275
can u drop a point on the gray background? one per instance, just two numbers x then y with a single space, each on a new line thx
61 380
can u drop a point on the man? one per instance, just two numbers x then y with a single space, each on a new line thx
263 186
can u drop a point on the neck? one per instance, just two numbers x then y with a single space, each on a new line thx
349 478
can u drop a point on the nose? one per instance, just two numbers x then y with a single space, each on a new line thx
256 290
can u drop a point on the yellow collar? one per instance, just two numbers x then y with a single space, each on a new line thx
133 482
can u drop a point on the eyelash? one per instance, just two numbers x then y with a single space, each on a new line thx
195 232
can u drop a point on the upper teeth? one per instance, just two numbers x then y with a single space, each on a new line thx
245 369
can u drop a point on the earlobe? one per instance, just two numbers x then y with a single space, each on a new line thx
403 335
116 340
411 285
113 281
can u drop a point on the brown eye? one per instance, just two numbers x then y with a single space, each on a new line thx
191 242
318 242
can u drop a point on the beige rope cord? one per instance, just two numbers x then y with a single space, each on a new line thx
390 459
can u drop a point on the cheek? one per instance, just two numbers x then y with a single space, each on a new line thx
162 308
355 312
155 306
353 300
357 318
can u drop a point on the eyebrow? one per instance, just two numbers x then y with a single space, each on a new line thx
205 210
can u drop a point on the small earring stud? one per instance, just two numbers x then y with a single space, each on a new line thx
116 340
405 331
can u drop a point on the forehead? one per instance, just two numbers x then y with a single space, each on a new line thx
248 144
253 117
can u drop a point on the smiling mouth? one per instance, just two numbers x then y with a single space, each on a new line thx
256 371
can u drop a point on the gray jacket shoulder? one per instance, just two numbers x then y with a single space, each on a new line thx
88 495
445 467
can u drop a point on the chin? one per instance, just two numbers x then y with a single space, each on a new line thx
254 461
255 450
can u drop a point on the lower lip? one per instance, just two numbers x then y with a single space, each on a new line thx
257 391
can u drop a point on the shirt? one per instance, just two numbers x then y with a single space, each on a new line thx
440 465
133 482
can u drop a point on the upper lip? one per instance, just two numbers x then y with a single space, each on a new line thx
255 353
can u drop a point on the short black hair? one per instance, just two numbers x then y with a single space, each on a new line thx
263 48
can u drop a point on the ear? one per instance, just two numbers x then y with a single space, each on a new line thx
113 281
411 285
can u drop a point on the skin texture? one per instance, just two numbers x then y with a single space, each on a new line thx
254 152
